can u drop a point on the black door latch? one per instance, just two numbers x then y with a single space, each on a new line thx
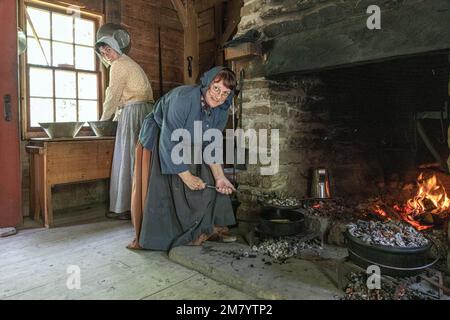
189 59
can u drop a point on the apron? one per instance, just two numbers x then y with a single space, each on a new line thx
129 124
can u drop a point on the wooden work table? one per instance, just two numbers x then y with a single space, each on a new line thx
64 160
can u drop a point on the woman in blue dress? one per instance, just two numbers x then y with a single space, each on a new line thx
171 205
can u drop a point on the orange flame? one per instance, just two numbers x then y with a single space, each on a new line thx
380 211
431 191
405 213
431 197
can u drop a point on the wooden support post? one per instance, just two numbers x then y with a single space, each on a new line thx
233 17
181 11
242 50
218 31
191 44
113 11
189 20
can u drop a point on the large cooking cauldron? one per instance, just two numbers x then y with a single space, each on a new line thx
280 222
393 261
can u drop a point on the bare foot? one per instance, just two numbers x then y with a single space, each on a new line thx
134 245
222 234
219 230
198 242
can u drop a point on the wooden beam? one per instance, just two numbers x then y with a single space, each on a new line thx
191 44
113 11
218 31
242 51
234 17
201 5
182 12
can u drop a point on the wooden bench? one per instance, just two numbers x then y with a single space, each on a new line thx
60 161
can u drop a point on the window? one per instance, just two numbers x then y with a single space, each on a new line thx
63 78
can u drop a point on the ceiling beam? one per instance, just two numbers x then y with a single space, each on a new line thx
181 11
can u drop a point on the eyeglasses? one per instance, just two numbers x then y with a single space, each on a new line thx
217 90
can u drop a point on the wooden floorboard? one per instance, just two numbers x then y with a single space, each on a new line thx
34 264
64 241
198 287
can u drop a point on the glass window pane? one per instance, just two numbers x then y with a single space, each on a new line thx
65 84
41 110
88 110
84 32
34 52
62 54
41 22
87 86
62 27
41 82
84 58
66 110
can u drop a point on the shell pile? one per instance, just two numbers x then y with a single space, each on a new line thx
393 234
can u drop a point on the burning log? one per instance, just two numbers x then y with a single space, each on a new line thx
391 213
425 208
430 197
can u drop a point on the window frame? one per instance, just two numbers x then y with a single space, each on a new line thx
29 132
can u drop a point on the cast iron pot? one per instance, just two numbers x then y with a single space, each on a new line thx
393 261
280 222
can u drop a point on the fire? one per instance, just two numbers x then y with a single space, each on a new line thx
431 198
431 191
380 211
405 213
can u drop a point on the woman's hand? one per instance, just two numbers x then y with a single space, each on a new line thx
224 186
193 182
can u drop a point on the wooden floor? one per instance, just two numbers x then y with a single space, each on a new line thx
34 264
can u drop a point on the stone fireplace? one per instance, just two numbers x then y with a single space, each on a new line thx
344 97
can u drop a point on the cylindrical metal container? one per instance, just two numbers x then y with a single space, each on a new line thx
320 186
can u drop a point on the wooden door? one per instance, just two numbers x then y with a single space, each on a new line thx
10 186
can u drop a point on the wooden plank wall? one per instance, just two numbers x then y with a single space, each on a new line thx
217 22
210 23
144 19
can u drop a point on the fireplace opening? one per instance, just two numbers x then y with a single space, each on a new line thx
380 129
391 121
382 108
